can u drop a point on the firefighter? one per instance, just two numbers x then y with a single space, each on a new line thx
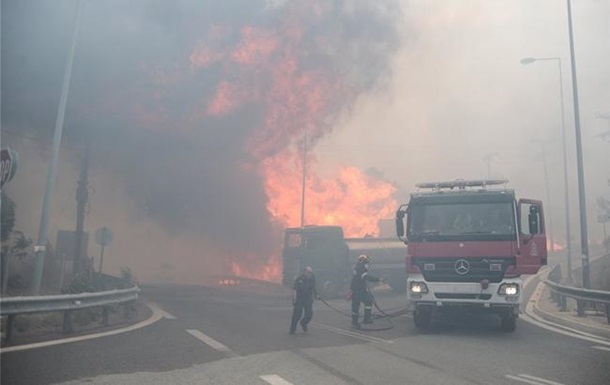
360 291
303 294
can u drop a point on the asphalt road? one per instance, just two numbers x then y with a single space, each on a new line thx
239 335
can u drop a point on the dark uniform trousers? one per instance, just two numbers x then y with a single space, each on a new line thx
301 305
305 290
361 293
362 296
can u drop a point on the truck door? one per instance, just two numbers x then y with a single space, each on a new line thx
532 237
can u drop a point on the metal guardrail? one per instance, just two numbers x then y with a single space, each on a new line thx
13 306
582 296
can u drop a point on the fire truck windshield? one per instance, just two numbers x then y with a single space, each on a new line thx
462 221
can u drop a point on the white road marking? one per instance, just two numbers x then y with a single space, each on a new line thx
532 380
543 380
601 348
274 379
162 312
157 315
211 342
350 333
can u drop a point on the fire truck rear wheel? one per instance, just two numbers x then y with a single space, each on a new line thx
398 285
330 289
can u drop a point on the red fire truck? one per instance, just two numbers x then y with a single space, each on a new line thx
469 242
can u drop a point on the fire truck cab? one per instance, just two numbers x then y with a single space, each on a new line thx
468 244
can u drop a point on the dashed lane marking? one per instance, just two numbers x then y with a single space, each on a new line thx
349 333
211 342
532 380
274 379
605 348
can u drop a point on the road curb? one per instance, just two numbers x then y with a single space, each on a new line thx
566 322
95 333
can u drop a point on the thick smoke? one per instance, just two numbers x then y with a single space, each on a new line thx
142 103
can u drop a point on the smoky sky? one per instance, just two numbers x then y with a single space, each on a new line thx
137 101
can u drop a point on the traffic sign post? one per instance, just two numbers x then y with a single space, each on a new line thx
103 237
8 159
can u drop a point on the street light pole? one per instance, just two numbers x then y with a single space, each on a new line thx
584 237
526 61
40 248
565 176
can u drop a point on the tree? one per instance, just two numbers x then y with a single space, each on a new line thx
8 217
14 243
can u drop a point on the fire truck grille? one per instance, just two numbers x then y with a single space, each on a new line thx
462 296
463 269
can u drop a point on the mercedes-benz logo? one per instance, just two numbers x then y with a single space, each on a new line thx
462 267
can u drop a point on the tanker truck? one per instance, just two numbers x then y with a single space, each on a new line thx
332 256
468 246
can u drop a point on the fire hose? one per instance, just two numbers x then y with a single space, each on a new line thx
384 315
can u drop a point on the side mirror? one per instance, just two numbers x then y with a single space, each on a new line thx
533 219
400 224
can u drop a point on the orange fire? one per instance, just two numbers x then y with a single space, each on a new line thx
269 66
270 271
353 199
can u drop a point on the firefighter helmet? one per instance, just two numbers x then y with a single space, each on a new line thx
364 258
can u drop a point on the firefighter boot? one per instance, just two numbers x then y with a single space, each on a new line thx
367 316
355 321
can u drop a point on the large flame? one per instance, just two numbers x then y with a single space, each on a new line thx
354 200
270 67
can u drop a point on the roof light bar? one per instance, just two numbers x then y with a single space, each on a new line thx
462 184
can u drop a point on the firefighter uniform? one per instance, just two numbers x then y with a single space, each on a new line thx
360 291
304 292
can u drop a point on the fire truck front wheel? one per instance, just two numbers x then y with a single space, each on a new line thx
422 318
508 322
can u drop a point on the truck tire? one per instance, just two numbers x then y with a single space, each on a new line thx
328 289
398 285
422 319
508 323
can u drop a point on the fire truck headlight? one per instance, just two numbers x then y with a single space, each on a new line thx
418 288
508 289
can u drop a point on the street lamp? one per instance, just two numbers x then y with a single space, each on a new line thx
584 236
40 247
530 60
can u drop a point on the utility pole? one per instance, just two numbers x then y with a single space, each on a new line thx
82 196
304 177
488 159
584 236
605 136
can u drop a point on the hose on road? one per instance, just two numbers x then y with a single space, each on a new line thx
383 315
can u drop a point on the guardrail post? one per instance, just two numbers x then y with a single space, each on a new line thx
67 327
105 312
580 308
563 302
10 322
127 308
